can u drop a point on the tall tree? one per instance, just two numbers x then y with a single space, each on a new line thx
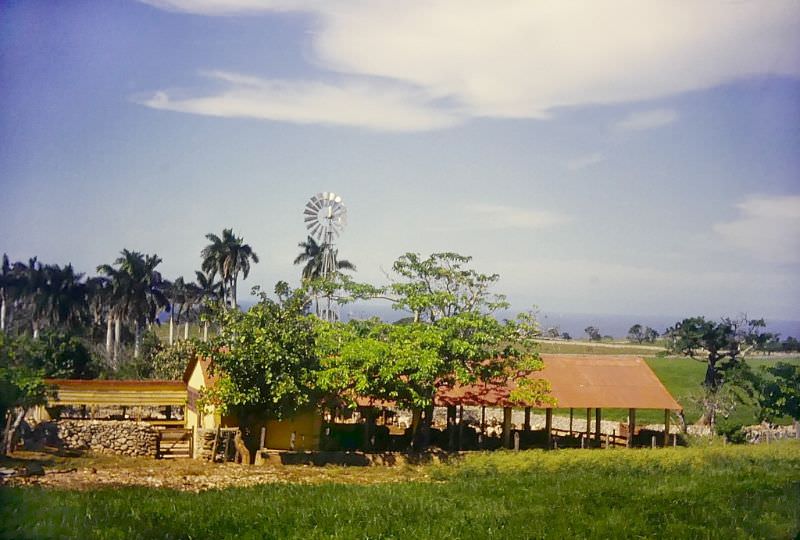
228 256
7 281
452 337
137 294
311 257
209 294
721 346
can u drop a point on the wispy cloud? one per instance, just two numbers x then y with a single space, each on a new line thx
532 58
356 103
767 228
655 118
583 162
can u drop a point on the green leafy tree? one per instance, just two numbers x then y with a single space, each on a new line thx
650 335
21 387
228 256
636 333
779 391
452 337
265 359
169 363
593 333
721 346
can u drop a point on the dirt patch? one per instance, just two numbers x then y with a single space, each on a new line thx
90 472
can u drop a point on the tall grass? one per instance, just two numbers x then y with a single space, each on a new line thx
723 492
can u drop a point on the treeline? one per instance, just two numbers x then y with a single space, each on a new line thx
108 314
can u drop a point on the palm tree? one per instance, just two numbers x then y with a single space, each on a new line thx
30 284
7 281
227 256
63 298
137 292
207 291
313 254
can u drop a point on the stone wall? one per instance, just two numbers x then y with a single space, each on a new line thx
122 437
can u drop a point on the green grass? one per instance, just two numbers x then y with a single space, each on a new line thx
586 347
717 492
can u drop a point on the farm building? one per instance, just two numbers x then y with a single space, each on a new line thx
301 432
583 383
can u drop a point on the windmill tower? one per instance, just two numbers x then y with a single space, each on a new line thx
325 217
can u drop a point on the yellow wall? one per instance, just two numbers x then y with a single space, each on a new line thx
307 426
210 419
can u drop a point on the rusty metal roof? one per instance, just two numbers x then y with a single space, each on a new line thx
578 381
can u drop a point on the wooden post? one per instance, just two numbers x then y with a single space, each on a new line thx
507 427
214 446
598 425
263 439
653 441
516 441
631 426
292 440
451 427
588 426
666 427
527 425
675 440
483 419
571 412
460 427
548 426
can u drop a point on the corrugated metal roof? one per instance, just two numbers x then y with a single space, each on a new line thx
578 381
105 392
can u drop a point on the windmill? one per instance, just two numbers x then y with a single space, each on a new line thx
325 216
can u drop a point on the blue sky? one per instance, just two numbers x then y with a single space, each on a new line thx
631 158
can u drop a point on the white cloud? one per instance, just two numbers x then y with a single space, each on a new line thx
521 59
583 162
767 229
646 120
493 217
360 104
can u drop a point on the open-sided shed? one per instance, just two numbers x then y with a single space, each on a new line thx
577 382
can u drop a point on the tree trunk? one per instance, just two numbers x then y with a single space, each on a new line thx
3 313
205 331
171 327
233 293
137 334
186 330
109 337
35 325
117 336
10 429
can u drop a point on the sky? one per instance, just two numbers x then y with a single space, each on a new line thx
628 157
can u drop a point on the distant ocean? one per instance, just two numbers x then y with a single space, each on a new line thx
572 323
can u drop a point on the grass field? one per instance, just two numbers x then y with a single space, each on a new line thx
718 492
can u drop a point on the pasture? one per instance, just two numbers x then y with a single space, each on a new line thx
713 492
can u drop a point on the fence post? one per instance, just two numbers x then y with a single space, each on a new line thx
263 439
516 441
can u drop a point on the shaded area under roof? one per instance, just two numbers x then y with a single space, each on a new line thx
577 381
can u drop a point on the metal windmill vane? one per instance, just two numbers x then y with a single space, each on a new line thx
325 216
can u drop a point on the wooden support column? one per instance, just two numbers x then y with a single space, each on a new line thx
598 426
666 427
451 427
483 419
631 426
460 427
588 424
507 427
571 415
548 427
527 425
